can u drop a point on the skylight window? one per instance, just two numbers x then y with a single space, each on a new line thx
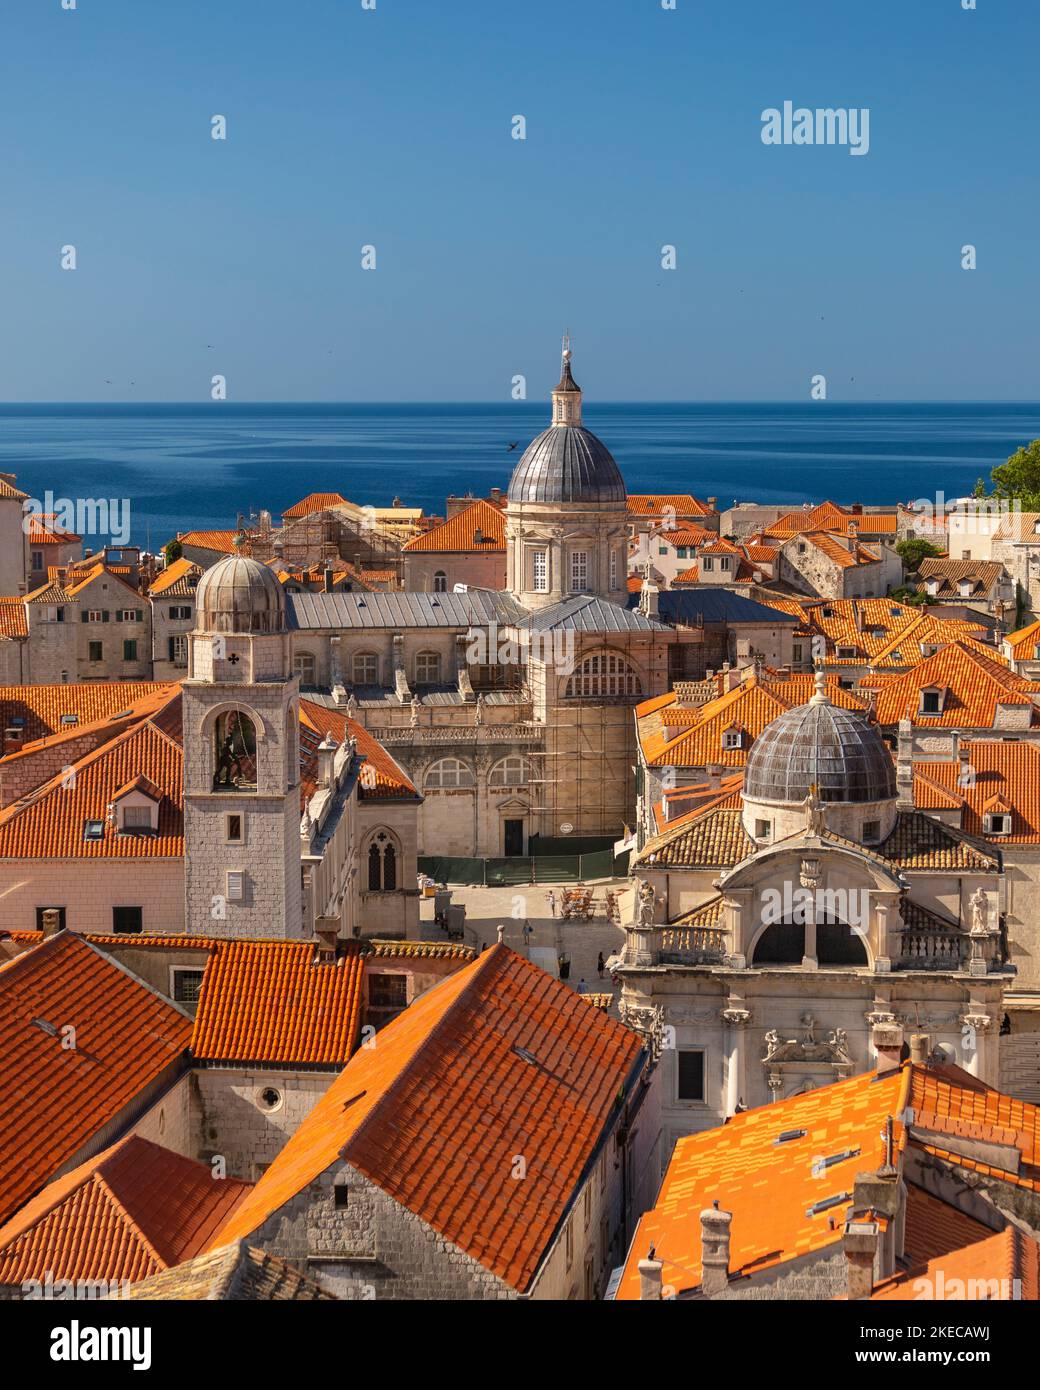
93 829
838 1200
789 1134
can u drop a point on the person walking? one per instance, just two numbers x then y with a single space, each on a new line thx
528 933
581 985
599 965
551 900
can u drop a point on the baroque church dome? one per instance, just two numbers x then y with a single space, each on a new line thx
567 462
240 595
837 751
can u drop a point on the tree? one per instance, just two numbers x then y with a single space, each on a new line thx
915 549
173 550
1018 480
909 596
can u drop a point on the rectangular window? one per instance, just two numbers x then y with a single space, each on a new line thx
187 985
95 615
613 569
233 829
387 991
763 829
690 1078
579 570
707 563
130 651
540 561
127 919
137 818
178 650
871 831
341 1193
127 615
96 652
930 702
37 560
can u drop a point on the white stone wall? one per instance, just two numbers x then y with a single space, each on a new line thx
236 1123
88 889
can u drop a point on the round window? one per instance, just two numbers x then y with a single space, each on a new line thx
270 1098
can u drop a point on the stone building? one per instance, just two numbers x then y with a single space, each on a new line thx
837 566
468 550
772 931
496 1144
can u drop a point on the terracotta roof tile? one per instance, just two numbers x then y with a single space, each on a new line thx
314 502
222 541
975 684
476 529
275 1003
176 579
317 721
434 1113
133 1210
56 1097
683 504
998 1267
998 770
42 707
13 620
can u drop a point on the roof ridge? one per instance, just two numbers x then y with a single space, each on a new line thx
139 1234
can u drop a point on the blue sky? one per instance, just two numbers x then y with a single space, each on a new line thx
349 127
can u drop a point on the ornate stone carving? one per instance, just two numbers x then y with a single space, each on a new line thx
735 1018
646 903
647 1020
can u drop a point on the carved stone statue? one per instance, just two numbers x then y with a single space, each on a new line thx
647 904
979 904
352 706
478 713
415 708
813 813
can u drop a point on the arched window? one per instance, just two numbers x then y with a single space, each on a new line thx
783 943
365 667
382 864
304 666
604 674
513 771
449 773
440 582
234 764
427 668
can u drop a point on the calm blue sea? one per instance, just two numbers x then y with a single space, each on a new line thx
185 466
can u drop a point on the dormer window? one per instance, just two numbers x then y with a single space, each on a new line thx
733 738
135 807
997 823
845 652
965 588
933 587
724 563
931 701
827 612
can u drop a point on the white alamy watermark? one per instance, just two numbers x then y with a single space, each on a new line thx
84 516
49 1288
802 905
822 125
968 1290
487 646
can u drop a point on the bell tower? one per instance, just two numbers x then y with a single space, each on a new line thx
240 707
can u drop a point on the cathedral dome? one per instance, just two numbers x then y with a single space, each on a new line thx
567 463
837 751
240 595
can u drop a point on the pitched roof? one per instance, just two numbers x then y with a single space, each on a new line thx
1010 771
828 516
45 530
274 1002
56 1097
683 504
128 1212
781 1204
222 541
712 839
176 579
42 707
948 575
1021 644
999 1267
498 1055
837 551
318 721
476 529
50 822
314 502
237 1272
769 1187
8 492
13 620
975 685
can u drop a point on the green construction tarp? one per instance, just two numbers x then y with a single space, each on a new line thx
541 868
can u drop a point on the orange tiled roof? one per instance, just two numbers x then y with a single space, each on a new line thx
273 1002
998 1267
13 621
10 493
975 685
314 502
45 530
316 721
838 552
49 823
828 516
57 1097
42 706
460 533
683 504
982 575
176 576
689 535
411 1113
768 1187
223 541
1007 771
129 1212
1020 645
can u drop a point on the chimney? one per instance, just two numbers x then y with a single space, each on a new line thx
327 578
51 921
713 503
888 1043
713 772
326 757
496 494
860 1243
963 764
650 1276
327 932
920 1049
649 599
715 1226
905 767
852 537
